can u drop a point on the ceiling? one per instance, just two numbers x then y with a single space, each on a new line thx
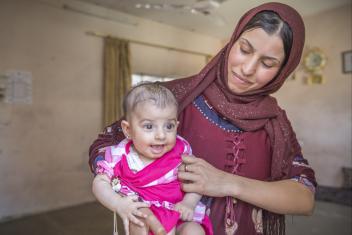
216 22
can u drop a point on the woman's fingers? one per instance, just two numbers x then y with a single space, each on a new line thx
192 188
182 168
126 225
141 205
136 221
193 164
189 159
201 177
134 198
140 214
188 176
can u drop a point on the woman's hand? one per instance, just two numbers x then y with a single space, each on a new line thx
126 207
199 176
128 211
281 197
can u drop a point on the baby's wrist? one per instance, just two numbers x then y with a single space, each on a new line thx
189 205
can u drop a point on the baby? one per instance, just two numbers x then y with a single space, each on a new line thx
138 178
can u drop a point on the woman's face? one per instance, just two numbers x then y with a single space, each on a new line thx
254 60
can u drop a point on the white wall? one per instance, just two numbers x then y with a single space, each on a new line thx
44 145
321 114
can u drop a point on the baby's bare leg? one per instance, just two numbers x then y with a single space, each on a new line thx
190 228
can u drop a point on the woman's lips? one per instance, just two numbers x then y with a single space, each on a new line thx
240 79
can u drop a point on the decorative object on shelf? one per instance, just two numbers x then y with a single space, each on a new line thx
347 61
314 61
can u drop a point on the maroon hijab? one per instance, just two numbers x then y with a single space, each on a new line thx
255 109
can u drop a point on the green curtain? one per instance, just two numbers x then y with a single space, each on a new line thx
117 77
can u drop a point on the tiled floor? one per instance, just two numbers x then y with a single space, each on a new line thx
93 219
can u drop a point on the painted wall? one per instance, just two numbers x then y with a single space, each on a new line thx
321 114
44 145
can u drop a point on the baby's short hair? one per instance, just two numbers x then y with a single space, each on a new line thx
148 91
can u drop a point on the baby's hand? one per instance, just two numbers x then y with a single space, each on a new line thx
185 210
128 211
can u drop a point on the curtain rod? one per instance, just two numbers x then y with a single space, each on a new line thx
208 56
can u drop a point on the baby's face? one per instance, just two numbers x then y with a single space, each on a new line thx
153 130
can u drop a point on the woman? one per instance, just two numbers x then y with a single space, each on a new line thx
248 161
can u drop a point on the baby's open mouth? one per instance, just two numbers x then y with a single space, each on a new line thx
157 148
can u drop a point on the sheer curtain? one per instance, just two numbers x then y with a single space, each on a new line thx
117 77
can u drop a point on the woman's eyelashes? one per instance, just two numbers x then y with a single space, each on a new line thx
245 46
265 62
245 50
270 62
267 65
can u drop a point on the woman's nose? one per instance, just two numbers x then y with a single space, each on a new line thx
249 66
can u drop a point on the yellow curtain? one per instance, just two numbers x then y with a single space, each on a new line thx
117 77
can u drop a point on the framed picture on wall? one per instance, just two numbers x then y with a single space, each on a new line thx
347 61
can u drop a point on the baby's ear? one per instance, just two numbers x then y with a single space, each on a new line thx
126 128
